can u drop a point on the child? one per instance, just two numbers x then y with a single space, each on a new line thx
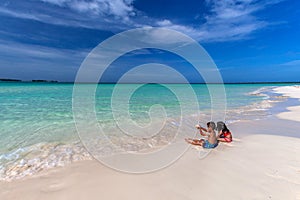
211 142
224 133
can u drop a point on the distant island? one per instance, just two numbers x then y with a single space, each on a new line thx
44 81
34 81
10 80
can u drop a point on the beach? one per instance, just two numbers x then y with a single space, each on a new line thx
149 100
262 162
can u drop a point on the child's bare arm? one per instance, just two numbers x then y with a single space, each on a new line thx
204 129
202 133
201 129
219 133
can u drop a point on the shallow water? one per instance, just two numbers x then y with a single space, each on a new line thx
37 129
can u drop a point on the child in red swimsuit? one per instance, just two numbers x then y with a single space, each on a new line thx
224 133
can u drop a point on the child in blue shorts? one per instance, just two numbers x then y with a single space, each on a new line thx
211 141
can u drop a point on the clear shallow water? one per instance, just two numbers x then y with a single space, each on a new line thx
37 129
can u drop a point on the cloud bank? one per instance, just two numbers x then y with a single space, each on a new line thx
224 21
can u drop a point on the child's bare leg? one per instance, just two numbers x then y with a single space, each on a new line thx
191 141
222 140
194 141
188 140
200 142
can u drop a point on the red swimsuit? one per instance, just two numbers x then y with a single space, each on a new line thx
225 134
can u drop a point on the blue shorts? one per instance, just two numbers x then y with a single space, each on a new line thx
208 145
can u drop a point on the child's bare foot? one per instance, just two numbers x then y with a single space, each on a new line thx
188 140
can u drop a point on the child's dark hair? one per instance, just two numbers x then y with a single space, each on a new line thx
211 125
221 126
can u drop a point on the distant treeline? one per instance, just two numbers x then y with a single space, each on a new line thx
43 81
10 80
35 81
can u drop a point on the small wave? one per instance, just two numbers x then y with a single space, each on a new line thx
14 155
260 109
254 111
30 160
229 122
261 91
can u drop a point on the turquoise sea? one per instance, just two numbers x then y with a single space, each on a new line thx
37 129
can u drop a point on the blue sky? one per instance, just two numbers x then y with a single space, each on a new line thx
249 40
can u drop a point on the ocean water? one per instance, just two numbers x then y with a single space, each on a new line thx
37 128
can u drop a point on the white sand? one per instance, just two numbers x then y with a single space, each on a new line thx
251 169
294 114
290 91
294 111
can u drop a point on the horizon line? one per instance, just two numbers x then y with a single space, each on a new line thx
74 82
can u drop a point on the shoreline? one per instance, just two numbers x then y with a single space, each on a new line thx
293 111
262 164
249 167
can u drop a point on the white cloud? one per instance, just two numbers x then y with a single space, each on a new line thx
111 15
25 61
164 22
57 2
18 14
292 63
227 20
40 52
117 8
